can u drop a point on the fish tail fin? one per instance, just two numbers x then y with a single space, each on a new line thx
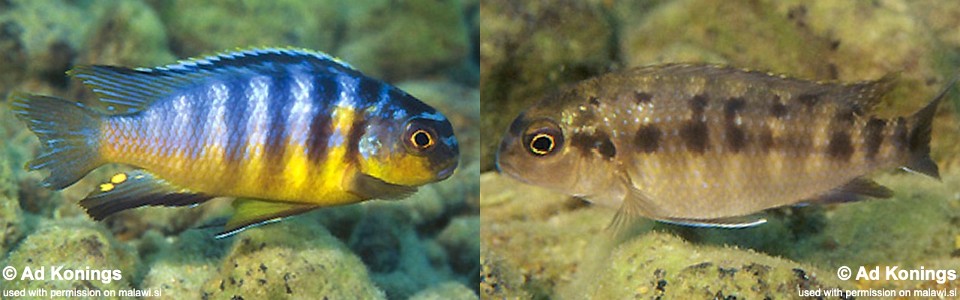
918 139
68 133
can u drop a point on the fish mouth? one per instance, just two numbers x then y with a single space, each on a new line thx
447 171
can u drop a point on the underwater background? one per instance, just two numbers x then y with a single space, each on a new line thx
422 247
537 244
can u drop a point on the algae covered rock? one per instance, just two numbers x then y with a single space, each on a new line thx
446 291
400 261
528 48
180 265
498 281
41 40
404 39
11 216
199 27
460 240
290 259
661 265
73 254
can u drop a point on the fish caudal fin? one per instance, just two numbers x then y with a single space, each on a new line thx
68 133
919 138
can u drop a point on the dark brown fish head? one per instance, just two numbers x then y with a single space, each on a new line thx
545 147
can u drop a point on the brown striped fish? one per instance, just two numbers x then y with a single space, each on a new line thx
710 146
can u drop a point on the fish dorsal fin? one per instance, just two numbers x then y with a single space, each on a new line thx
251 213
726 223
125 91
375 188
867 94
126 190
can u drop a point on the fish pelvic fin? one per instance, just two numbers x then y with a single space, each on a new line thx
918 140
69 137
725 223
250 213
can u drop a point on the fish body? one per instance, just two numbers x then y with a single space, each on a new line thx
708 145
285 130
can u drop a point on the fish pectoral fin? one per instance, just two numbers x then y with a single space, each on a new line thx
250 213
371 187
126 190
853 191
727 223
629 210
635 204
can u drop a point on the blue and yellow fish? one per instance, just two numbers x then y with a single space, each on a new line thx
284 131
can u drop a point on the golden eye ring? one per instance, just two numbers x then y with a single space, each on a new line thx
542 144
421 139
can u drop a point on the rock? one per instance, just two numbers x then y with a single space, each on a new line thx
198 28
498 281
460 240
180 265
445 291
417 37
528 49
82 249
400 261
660 265
818 40
294 258
11 216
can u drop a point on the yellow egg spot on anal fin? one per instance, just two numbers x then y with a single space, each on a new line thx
135 189
106 187
119 178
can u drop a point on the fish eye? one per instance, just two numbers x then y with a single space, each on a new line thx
419 137
541 144
543 138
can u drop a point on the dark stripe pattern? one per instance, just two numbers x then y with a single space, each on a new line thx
597 143
279 104
321 126
237 115
839 146
695 132
647 138
873 137
736 137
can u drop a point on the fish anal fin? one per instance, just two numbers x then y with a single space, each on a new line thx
726 223
126 190
252 212
854 191
374 188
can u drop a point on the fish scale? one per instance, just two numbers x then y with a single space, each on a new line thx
283 130
707 145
